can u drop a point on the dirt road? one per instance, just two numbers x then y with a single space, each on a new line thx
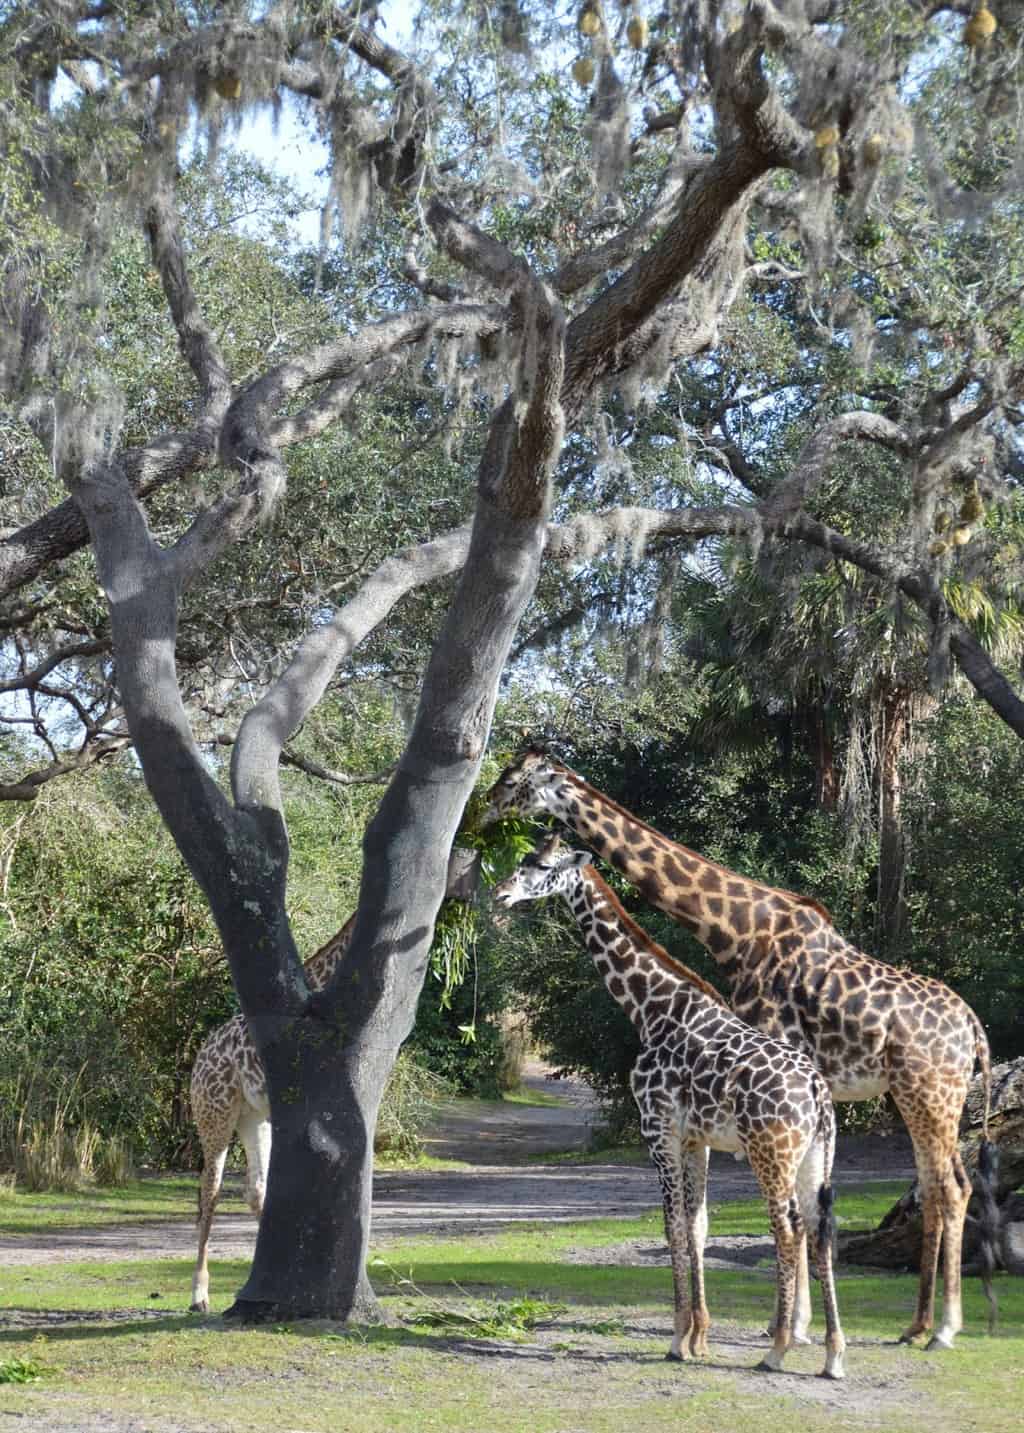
497 1189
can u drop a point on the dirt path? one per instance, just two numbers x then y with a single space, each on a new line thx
498 1189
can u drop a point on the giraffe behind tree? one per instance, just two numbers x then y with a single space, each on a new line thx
706 1080
228 1092
869 1027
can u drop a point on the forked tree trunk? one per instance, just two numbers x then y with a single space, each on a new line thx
896 1243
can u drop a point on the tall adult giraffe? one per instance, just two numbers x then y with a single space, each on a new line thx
868 1026
705 1080
228 1092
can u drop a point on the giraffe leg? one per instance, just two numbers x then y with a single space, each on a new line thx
788 1231
815 1196
802 1308
695 1201
954 1195
943 1208
215 1142
254 1132
679 1187
802 1311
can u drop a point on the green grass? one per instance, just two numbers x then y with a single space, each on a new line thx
537 1098
171 1196
616 1154
461 1354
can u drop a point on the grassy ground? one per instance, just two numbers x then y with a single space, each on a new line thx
594 1362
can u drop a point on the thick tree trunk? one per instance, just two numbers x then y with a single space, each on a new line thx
310 1258
896 1243
326 1073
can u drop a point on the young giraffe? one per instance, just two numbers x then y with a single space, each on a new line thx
229 1092
868 1026
706 1080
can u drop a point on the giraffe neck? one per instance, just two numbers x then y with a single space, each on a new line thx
727 912
639 975
323 963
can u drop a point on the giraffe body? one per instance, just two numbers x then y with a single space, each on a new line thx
706 1080
869 1027
228 1092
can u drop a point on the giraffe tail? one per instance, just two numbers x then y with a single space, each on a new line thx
826 1218
987 1182
984 1059
990 1222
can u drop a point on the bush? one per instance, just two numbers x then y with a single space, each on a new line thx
409 1100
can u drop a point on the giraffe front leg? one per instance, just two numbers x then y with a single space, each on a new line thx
663 1143
802 1311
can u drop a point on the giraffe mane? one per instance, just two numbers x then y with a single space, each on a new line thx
661 955
807 901
343 936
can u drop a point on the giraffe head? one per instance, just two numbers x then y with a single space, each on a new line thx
520 789
545 872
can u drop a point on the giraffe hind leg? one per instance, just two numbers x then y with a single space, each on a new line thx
215 1140
787 1227
945 1193
954 1195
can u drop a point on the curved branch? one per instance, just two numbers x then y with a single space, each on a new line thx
272 721
27 788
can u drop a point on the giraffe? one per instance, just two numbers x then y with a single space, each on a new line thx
706 1080
869 1027
228 1092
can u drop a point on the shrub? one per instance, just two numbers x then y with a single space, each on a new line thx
410 1098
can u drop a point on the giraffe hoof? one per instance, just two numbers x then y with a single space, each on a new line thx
834 1373
939 1341
673 1357
202 1307
765 1367
912 1337
800 1338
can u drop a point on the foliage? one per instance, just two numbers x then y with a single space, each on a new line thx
508 1319
966 854
22 1370
409 1097
112 975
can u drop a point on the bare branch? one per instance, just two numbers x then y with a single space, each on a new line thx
309 767
60 654
198 345
858 425
27 788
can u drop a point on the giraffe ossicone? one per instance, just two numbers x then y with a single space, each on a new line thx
706 1080
869 1027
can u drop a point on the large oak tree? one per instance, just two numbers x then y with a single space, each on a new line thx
577 243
